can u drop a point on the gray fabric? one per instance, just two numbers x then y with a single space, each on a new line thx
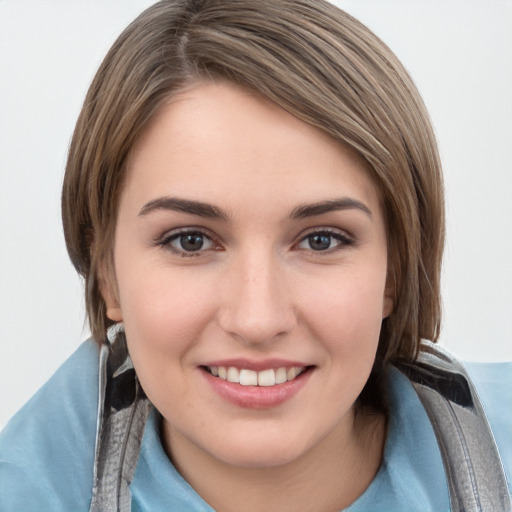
475 475
122 413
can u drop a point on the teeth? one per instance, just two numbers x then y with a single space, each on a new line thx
291 373
281 375
233 374
267 378
246 377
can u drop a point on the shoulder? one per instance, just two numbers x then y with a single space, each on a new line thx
47 448
493 382
412 475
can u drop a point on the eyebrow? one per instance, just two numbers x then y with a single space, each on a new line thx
210 211
313 209
184 205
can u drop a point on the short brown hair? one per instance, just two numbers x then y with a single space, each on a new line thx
315 61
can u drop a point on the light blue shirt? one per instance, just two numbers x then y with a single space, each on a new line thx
47 449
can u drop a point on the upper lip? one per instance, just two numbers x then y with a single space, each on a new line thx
254 365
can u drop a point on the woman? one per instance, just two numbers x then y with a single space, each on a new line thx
254 198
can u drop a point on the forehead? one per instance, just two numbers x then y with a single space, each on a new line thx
220 142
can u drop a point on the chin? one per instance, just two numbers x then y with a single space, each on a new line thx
260 451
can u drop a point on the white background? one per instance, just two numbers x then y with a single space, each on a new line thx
458 51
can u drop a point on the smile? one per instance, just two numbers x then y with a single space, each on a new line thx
245 377
254 385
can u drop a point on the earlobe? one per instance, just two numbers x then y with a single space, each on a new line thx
109 294
388 302
387 306
115 314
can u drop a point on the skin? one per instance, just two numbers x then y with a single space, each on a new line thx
255 290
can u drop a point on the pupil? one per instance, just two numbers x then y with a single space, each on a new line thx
192 242
320 242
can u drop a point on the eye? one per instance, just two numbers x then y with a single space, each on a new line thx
324 241
188 243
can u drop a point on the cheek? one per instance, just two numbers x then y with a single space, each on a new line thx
344 320
164 313
157 296
165 319
347 314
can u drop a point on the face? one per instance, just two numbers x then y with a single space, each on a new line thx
250 266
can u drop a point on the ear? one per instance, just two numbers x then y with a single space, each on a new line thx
388 302
387 306
108 289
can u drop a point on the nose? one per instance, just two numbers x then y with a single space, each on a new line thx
256 302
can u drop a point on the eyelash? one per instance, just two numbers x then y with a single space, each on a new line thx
166 241
343 239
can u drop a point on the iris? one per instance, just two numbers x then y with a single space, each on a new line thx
192 241
319 241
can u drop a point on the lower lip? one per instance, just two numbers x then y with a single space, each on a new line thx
257 397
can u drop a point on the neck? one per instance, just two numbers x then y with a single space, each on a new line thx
329 477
